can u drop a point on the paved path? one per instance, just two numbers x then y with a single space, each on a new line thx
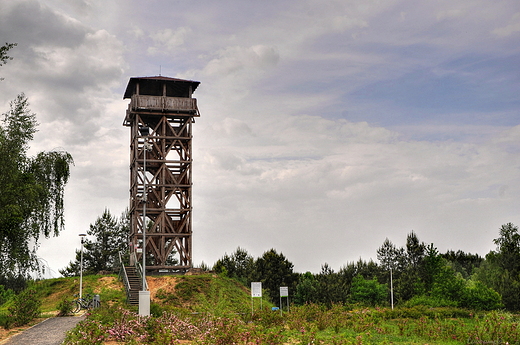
48 332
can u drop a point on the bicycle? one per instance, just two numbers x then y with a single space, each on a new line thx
87 302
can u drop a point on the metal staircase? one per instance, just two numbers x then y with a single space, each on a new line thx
134 285
132 279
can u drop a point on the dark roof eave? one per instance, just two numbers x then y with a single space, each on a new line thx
133 80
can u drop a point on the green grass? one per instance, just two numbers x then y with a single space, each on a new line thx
205 294
309 324
219 310
207 309
53 291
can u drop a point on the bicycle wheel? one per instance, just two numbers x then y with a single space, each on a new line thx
77 307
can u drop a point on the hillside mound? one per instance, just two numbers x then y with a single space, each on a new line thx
190 292
197 293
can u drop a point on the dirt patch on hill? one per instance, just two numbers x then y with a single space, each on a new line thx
110 283
165 284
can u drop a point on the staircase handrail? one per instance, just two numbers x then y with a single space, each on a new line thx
122 272
139 270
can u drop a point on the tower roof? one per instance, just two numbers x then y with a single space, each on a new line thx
154 86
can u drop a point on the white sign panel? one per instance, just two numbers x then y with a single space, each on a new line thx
256 289
284 291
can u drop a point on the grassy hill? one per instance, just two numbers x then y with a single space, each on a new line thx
53 291
189 292
199 293
183 294
207 309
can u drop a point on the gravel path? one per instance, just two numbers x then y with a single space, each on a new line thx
48 332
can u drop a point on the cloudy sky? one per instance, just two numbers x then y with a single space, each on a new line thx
326 126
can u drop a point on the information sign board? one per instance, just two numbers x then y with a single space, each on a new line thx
284 291
256 289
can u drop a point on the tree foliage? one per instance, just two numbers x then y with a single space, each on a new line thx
368 291
332 287
421 276
238 265
463 263
307 289
508 248
407 266
102 253
389 255
329 287
274 270
3 54
501 269
31 202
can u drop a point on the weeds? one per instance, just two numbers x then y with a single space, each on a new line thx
309 324
65 307
25 308
214 317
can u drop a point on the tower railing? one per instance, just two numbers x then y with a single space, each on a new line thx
139 270
124 276
141 102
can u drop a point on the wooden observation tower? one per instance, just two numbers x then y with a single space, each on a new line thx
160 116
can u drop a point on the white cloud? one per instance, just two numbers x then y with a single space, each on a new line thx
57 57
448 14
510 29
231 60
168 40
136 32
98 56
321 181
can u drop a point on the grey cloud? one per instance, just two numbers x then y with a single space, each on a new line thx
66 68
30 24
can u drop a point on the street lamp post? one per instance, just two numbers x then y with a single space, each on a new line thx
144 295
391 289
81 267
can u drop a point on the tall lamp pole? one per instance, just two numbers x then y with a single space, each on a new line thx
144 295
391 289
81 267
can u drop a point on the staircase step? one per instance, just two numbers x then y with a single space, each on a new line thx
135 285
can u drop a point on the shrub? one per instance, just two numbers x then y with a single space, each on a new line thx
87 332
268 318
25 308
5 294
430 301
420 311
368 292
479 297
65 307
4 321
